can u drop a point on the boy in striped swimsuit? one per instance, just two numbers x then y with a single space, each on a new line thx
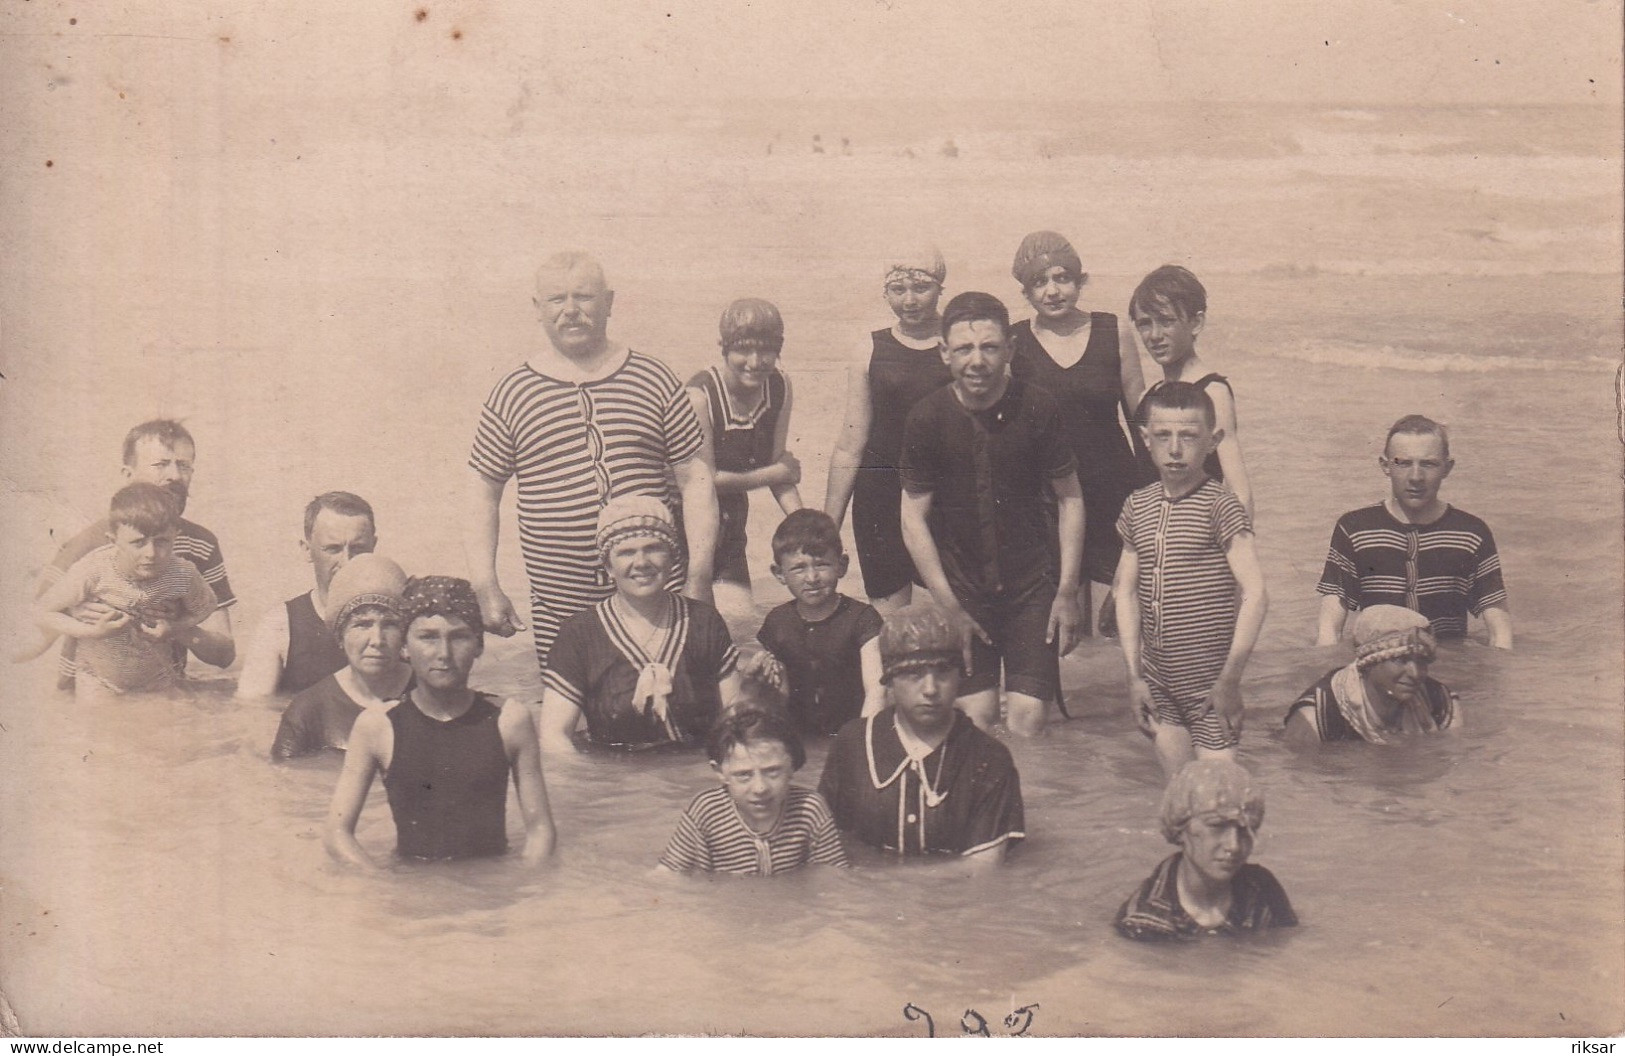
756 823
1187 547
147 598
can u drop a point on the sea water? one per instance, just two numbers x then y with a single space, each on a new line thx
328 312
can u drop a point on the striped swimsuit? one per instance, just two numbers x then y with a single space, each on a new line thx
572 448
712 837
1187 598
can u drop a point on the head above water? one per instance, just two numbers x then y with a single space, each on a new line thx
1416 459
751 324
1215 789
1180 396
753 722
1041 251
919 637
445 596
165 431
915 264
146 508
573 302
1391 632
368 581
161 452
1169 287
807 531
633 516
974 306
1417 425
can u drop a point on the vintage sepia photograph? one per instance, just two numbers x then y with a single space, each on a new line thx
864 519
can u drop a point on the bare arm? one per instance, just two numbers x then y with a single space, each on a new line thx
211 641
874 693
480 532
1230 460
785 491
1128 368
1329 630
371 743
558 725
1499 620
263 659
1242 555
695 481
1126 599
843 464
525 760
1063 616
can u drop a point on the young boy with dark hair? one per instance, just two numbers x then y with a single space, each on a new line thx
756 823
151 598
1169 308
827 642
1187 547
981 457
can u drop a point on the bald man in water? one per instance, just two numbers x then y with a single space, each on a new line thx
582 421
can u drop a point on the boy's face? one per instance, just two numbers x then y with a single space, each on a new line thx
977 352
442 651
140 555
372 640
1416 465
1054 293
1179 441
640 565
155 462
913 300
925 696
749 367
574 308
1216 846
811 578
1169 335
334 539
757 776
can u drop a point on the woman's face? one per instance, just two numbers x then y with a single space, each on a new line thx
640 565
1054 293
913 299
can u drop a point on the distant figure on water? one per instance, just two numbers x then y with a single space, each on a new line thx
584 420
827 643
756 823
146 599
446 752
1188 551
364 614
1169 309
893 370
983 458
1385 693
1077 357
1413 549
919 778
1211 810
294 646
159 452
647 668
743 405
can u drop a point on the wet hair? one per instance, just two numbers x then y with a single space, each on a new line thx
147 508
973 306
1418 425
751 323
807 531
1178 396
754 722
166 431
342 503
1171 285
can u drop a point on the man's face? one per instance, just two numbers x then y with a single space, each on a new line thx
141 556
914 299
574 308
977 352
925 696
1216 846
1169 335
1416 465
1179 442
640 565
1055 292
442 651
811 578
334 539
1400 679
372 639
757 776
168 467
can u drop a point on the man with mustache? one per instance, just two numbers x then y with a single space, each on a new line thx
161 452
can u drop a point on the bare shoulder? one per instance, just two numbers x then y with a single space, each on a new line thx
372 734
514 721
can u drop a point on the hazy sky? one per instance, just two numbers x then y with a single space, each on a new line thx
1354 51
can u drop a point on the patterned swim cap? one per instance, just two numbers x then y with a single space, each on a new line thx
1208 787
445 596
368 579
918 637
1391 632
923 261
633 515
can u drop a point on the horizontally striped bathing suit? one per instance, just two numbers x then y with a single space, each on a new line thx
712 837
573 447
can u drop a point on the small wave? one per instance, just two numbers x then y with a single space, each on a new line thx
1391 357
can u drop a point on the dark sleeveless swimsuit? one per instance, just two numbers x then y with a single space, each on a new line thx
313 651
742 442
448 782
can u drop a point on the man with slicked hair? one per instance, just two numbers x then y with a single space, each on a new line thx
584 420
